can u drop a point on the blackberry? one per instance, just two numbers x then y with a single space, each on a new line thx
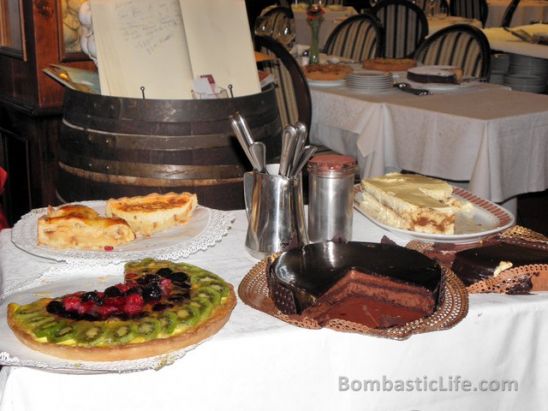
55 307
149 279
161 307
151 292
164 272
90 296
113 292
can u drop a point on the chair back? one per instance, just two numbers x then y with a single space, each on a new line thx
472 9
460 45
275 20
358 38
509 13
292 92
405 27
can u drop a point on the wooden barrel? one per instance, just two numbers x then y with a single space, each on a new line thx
113 147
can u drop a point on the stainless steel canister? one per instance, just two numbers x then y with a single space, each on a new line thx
330 197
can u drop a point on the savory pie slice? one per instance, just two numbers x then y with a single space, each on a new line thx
81 227
160 307
154 212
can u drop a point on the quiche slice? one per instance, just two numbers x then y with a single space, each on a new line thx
153 212
81 227
160 307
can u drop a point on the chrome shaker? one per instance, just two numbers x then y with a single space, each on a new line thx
330 197
275 213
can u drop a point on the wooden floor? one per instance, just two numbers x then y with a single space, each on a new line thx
533 211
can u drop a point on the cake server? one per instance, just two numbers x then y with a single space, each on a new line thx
258 150
408 89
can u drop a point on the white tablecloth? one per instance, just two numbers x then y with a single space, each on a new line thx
332 17
501 40
436 23
495 138
526 12
258 362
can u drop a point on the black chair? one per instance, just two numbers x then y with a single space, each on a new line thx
275 21
460 45
509 13
292 92
405 27
358 38
472 9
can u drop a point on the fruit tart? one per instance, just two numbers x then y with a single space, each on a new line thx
160 307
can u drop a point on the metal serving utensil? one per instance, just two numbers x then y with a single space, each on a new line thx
306 155
243 142
289 138
409 89
302 134
258 150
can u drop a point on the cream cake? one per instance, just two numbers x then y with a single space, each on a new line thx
412 202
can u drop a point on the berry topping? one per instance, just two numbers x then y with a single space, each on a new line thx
55 307
113 292
108 248
134 304
151 292
71 303
167 286
92 296
164 272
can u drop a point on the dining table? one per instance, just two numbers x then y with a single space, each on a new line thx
487 135
527 11
333 16
503 40
494 359
441 21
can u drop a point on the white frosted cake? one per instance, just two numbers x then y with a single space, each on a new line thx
412 202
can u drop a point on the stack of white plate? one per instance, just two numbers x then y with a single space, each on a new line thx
499 66
525 82
527 73
370 81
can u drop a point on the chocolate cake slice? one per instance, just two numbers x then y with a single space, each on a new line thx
378 285
435 74
477 264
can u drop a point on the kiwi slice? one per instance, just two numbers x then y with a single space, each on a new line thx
120 333
90 333
203 307
37 320
221 289
188 315
168 321
209 294
147 328
66 331
205 278
46 329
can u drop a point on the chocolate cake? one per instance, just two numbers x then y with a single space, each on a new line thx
378 285
435 74
478 264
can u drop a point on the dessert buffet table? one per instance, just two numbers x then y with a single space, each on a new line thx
501 40
495 138
259 362
526 12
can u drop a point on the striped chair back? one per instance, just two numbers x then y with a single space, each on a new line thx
405 27
460 45
292 92
274 20
358 38
472 9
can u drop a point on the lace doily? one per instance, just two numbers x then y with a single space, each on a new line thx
254 291
206 228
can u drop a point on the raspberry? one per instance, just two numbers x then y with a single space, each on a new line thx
117 302
72 303
86 308
108 248
106 311
134 304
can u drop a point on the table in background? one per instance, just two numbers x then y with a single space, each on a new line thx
501 40
438 22
526 12
492 137
259 362
332 17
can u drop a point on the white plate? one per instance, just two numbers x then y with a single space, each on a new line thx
206 227
15 353
326 83
488 219
440 86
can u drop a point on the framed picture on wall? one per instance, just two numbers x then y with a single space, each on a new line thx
70 30
12 33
